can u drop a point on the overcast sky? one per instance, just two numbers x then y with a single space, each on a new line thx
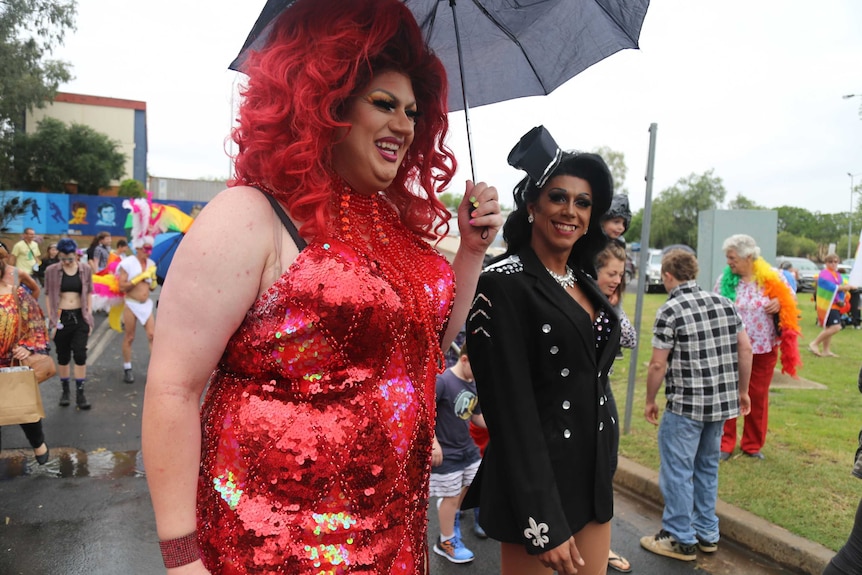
752 90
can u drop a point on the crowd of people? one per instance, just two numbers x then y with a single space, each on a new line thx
63 280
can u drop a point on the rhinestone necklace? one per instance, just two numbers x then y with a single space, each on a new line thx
567 280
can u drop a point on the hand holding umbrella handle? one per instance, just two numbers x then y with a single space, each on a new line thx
479 216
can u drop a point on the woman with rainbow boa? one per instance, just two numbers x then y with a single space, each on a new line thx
830 291
768 308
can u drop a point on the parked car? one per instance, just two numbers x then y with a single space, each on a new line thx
652 280
806 270
845 266
631 269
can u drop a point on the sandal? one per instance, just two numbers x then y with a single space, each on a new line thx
619 563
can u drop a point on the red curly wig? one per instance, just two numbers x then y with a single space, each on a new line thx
319 54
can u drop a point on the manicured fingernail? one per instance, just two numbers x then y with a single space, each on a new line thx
472 199
472 221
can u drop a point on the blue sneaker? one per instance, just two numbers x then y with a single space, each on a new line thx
453 550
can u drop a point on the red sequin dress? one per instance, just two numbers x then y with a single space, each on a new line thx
318 422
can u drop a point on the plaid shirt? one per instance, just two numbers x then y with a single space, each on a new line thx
700 328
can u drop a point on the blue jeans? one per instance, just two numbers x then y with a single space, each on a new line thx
688 476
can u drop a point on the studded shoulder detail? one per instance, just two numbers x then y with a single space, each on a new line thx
510 265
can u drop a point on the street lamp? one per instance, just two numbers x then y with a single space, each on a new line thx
850 218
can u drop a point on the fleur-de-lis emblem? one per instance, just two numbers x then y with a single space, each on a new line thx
535 533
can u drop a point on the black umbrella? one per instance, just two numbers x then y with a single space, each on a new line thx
496 50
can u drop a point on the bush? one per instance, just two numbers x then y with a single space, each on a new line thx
131 189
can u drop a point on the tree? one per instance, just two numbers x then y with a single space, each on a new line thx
616 161
450 200
29 31
829 228
676 209
11 209
796 221
131 189
633 234
56 154
743 203
788 244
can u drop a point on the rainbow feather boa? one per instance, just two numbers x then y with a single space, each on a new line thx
788 316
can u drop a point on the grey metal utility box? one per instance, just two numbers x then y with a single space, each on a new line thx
715 226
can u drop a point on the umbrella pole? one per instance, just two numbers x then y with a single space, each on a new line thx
463 89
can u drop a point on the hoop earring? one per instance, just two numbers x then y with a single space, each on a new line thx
530 218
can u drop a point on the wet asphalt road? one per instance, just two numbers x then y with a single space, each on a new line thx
87 512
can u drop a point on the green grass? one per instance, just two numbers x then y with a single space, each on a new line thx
804 485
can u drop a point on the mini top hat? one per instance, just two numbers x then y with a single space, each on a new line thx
537 154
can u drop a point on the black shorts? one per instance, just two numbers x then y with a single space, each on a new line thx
833 318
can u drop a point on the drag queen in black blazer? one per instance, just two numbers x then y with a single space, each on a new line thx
542 338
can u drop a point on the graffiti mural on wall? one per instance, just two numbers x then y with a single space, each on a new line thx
79 215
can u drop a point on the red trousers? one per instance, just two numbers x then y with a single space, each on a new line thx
754 426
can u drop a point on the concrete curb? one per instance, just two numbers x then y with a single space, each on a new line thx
738 525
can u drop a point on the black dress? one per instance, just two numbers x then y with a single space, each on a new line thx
542 383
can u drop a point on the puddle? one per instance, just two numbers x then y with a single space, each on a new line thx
74 463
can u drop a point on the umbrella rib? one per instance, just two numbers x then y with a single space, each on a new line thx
616 22
515 41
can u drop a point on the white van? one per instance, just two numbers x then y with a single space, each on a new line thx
652 280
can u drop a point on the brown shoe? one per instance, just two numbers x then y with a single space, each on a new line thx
663 543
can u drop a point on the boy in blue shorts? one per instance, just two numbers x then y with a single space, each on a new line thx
455 457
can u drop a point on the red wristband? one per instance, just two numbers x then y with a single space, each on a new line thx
180 551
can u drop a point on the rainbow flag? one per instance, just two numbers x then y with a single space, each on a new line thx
165 218
171 219
826 291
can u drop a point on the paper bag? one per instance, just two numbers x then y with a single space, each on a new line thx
20 400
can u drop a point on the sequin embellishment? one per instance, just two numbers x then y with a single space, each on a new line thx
319 419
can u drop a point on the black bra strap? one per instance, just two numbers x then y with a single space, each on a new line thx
286 222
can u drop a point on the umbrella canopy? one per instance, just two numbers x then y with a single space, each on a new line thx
496 50
511 51
164 248
508 49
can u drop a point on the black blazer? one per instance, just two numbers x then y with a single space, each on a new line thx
546 472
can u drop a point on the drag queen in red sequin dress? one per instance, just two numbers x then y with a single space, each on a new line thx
311 452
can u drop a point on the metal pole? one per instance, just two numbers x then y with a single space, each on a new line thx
642 266
463 89
850 218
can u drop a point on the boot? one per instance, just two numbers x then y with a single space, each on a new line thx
80 400
64 397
